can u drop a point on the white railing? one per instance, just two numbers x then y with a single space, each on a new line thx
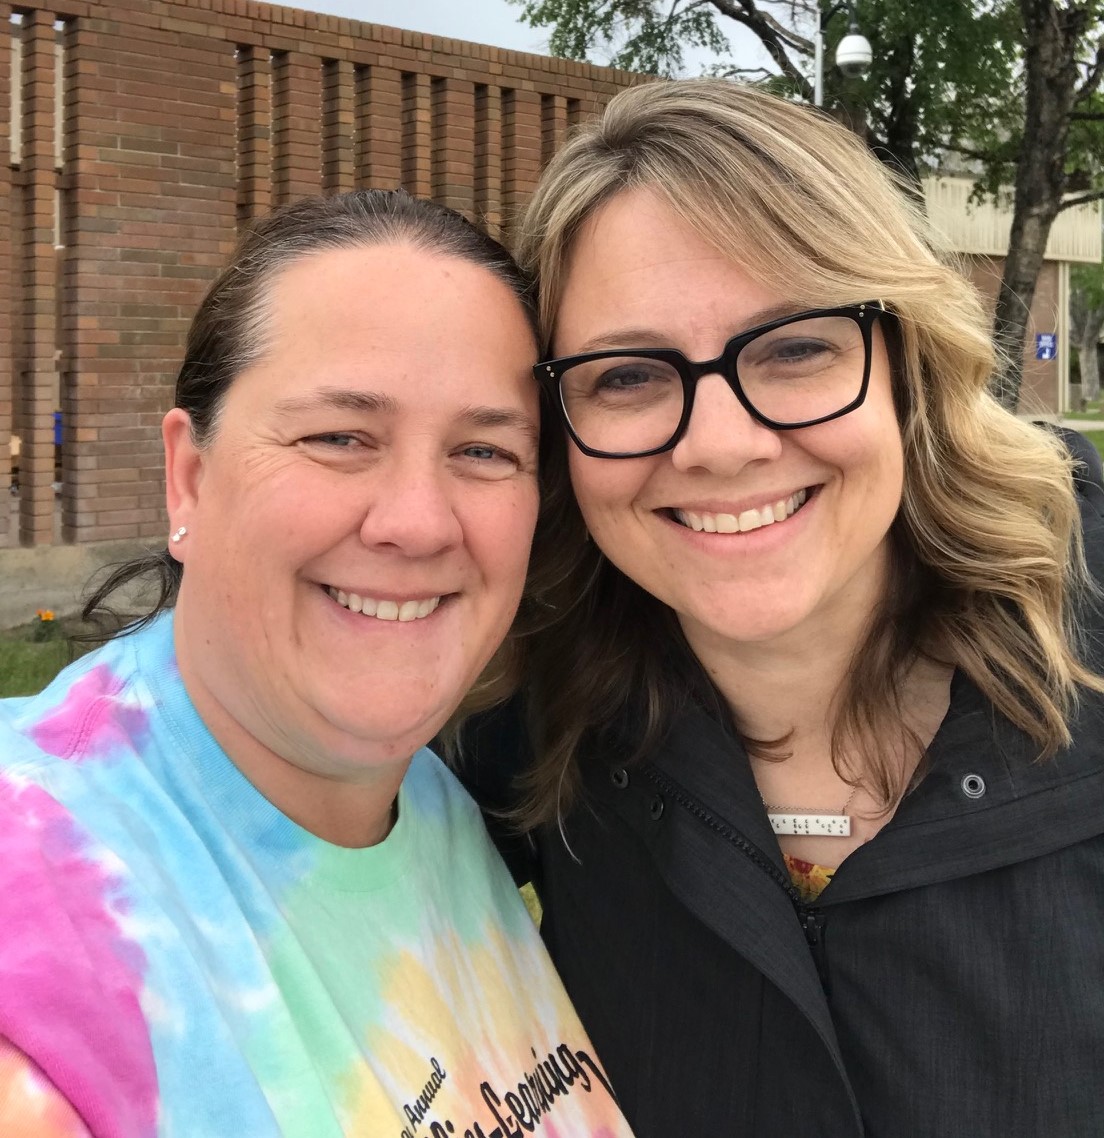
981 228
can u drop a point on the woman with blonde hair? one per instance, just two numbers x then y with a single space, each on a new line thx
816 799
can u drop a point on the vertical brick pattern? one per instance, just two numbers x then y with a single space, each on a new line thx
182 119
452 144
254 132
338 126
37 367
151 160
553 125
487 175
379 127
6 322
521 152
416 134
296 137
71 472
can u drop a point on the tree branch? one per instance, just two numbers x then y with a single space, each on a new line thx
764 72
772 36
1086 116
1082 199
1092 80
970 152
689 7
800 43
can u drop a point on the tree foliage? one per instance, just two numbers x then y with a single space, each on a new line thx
1086 323
1007 91
939 67
1063 64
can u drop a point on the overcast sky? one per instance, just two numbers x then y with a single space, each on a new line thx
481 21
494 22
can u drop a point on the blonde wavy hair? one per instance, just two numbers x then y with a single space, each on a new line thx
988 561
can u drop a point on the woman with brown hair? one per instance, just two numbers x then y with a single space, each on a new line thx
238 896
817 798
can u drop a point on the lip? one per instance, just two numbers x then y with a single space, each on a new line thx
738 505
397 604
384 595
763 539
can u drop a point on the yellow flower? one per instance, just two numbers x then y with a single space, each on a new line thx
44 614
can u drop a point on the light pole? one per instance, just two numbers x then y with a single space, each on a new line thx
853 53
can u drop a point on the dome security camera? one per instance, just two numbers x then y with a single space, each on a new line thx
854 55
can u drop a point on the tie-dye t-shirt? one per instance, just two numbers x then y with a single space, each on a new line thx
178 958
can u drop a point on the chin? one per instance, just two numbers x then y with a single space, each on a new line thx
372 716
753 628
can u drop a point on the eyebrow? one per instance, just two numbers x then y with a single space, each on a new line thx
649 338
339 398
501 417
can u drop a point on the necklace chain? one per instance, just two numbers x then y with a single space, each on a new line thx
810 809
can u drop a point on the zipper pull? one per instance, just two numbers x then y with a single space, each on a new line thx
812 924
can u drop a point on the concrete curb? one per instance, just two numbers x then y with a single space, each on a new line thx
54 576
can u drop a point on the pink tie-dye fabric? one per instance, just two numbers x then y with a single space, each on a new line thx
89 722
56 902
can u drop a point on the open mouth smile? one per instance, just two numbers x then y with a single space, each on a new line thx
385 609
746 520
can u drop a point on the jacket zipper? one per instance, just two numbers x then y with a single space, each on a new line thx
810 917
812 924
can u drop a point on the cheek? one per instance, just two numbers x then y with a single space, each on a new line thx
605 488
499 533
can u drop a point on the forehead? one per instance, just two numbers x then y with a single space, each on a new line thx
363 285
638 226
391 297
636 264
389 314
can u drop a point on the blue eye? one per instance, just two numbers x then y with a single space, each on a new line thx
334 439
485 453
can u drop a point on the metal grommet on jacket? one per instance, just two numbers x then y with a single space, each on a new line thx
619 777
973 785
655 811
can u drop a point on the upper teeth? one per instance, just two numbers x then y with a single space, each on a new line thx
748 520
384 610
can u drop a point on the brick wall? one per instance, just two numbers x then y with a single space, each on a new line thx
178 123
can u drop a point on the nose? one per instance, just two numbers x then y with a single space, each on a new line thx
411 510
722 436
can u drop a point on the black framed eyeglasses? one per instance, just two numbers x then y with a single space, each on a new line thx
794 372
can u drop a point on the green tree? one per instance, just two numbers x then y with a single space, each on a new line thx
1010 86
1086 322
1059 155
932 61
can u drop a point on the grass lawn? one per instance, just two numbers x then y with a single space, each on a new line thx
1097 440
27 665
1094 410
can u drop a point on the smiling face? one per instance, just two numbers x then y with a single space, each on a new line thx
358 527
749 534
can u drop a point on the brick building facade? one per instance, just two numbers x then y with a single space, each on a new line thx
142 135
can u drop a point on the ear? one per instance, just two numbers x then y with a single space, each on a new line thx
183 469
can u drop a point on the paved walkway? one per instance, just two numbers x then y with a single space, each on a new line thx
1062 421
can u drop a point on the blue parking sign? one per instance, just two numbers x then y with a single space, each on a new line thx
1046 345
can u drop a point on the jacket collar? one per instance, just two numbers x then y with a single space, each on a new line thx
986 800
710 842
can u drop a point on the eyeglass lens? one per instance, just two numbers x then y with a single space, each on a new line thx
801 371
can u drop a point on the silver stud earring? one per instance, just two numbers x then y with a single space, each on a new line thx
179 534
